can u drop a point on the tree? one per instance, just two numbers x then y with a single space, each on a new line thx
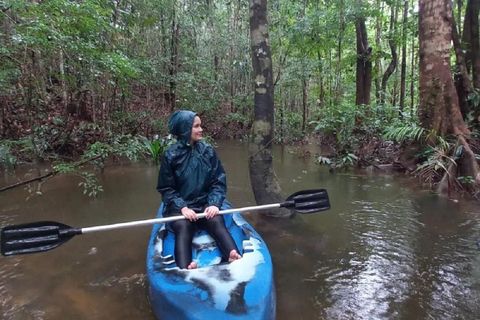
264 182
403 76
439 106
391 42
364 61
474 38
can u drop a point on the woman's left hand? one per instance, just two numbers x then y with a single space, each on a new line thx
211 211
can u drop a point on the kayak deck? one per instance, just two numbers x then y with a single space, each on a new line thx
243 289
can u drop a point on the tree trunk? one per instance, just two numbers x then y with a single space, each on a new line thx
403 72
266 188
304 105
393 63
439 108
62 75
395 89
378 35
466 36
462 80
475 42
459 17
173 60
338 71
364 63
213 31
321 94
412 74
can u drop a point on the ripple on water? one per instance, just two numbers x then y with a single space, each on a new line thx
12 307
7 219
128 282
376 272
402 263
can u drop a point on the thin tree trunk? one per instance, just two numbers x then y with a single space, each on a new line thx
265 186
338 71
173 59
213 32
412 79
395 89
304 104
466 36
393 63
459 17
231 50
462 80
321 94
62 75
378 35
163 39
403 71
475 42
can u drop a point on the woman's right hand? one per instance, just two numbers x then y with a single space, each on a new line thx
189 214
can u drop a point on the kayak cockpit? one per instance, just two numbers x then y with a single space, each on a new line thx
205 250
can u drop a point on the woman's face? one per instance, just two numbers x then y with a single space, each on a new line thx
196 130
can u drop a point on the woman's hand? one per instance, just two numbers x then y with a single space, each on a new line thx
211 211
189 214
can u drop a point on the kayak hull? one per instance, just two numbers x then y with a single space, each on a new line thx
243 289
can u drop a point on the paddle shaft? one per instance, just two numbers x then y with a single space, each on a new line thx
170 219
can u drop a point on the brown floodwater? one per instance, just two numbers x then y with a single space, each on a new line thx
387 249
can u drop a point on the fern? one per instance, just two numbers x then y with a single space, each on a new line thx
403 133
437 162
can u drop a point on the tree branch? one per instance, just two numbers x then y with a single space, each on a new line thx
46 175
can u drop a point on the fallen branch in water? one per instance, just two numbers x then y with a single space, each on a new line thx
49 175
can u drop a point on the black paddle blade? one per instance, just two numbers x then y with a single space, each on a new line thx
308 201
35 237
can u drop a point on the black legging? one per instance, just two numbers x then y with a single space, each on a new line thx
185 229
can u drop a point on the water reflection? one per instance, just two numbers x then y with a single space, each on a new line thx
386 250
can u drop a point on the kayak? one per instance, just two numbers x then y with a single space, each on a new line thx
242 289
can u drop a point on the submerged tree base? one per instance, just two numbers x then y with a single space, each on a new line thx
266 188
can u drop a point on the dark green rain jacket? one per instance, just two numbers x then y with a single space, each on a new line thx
190 176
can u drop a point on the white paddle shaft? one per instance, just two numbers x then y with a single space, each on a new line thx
170 219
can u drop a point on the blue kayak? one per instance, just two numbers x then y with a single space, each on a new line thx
243 289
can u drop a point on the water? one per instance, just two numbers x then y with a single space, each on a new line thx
386 250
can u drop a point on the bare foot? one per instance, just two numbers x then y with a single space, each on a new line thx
192 265
234 256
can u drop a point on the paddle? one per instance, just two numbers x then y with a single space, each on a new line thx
47 235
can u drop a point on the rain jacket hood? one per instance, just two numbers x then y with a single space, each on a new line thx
180 124
190 175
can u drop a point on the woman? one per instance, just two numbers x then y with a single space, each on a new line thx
192 179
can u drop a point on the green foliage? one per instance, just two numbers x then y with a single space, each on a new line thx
474 97
404 133
6 159
64 167
340 162
435 163
290 129
469 180
343 120
337 120
90 184
157 147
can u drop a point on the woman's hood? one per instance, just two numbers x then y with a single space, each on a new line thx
180 124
